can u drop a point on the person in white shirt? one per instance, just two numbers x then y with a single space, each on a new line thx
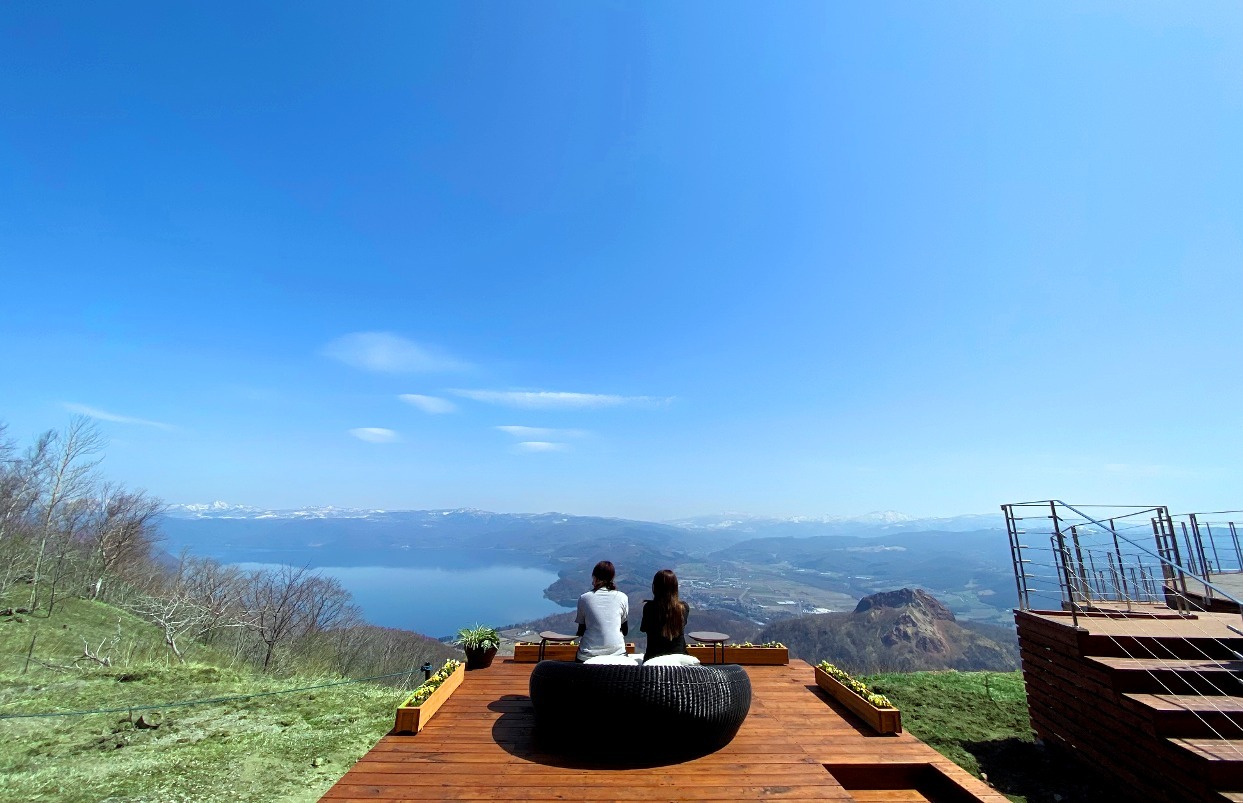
602 615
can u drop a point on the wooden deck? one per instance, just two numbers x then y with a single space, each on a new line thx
1151 699
479 747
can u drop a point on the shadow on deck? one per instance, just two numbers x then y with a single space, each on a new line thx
797 744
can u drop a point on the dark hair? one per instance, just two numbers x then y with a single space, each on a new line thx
604 572
665 598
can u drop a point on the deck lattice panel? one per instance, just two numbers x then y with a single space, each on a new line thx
479 747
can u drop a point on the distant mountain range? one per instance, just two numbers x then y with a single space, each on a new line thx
759 568
888 521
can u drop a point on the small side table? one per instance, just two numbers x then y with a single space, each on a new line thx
556 638
715 639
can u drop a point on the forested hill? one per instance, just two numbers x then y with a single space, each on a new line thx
897 631
67 534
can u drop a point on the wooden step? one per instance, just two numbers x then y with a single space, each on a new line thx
1192 715
1188 646
1218 760
1172 676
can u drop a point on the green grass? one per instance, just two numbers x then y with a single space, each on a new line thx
951 711
274 748
979 721
292 747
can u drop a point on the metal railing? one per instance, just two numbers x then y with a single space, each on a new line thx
1089 557
1120 562
1211 544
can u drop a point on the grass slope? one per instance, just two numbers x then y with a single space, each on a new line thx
979 721
272 748
292 747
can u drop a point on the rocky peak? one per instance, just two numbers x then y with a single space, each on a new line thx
915 598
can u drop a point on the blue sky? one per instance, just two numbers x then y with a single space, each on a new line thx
647 260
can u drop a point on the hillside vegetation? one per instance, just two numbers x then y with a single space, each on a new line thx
292 746
979 720
272 747
907 630
94 617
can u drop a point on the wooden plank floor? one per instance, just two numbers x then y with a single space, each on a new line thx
479 747
1200 625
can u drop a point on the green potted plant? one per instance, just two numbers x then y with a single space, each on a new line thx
480 644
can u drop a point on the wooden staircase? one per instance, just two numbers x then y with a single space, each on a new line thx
1154 701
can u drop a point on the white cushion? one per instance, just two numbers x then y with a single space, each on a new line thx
676 659
618 660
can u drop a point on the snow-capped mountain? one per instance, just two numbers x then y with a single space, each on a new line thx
877 521
224 510
738 524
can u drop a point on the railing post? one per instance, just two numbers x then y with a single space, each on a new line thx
1016 557
1234 536
1085 579
1208 528
1175 568
1126 593
1119 579
1195 547
1064 558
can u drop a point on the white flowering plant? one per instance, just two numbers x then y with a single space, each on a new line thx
857 686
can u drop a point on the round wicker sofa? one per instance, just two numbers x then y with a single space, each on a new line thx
638 710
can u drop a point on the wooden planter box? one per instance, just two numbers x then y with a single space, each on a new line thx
529 653
412 718
746 656
881 720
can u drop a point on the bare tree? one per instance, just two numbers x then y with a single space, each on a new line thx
198 599
218 589
66 541
121 534
20 488
327 605
68 471
274 606
178 616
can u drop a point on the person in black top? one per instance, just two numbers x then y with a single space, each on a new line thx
664 617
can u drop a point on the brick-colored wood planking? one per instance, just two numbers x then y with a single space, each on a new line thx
1087 694
480 747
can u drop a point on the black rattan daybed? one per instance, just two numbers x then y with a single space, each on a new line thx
638 710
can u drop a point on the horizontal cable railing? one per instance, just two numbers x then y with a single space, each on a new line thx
1080 557
1211 541
1119 562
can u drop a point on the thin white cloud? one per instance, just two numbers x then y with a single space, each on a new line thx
388 353
542 432
104 415
375 434
556 400
429 404
541 446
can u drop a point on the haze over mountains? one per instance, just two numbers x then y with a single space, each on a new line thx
759 568
886 520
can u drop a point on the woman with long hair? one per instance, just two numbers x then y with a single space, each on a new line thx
602 614
664 617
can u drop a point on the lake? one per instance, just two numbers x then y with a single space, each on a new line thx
438 600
